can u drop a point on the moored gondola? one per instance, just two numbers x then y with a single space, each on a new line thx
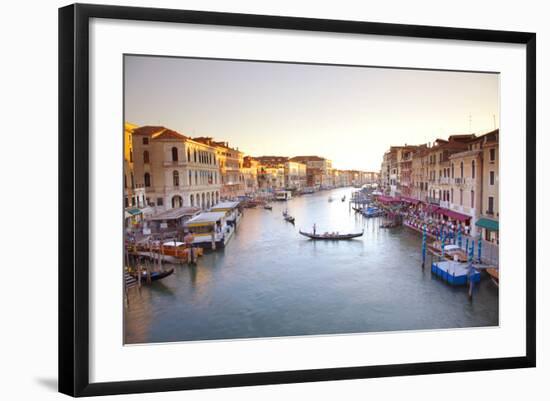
157 275
331 236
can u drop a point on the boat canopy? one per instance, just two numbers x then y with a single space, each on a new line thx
491 225
177 213
224 206
205 219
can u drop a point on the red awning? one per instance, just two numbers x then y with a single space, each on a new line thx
454 215
386 199
409 200
430 208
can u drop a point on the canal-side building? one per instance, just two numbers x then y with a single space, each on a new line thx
271 177
174 169
295 175
318 170
230 163
404 170
489 212
341 178
465 185
389 171
440 171
134 194
250 175
369 177
419 173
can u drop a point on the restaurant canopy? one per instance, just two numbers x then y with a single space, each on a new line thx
431 208
387 199
488 224
454 215
409 200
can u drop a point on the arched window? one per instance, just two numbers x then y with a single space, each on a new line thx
131 157
461 170
146 157
190 177
452 170
176 178
196 179
195 155
174 154
192 198
473 169
177 201
461 197
472 194
147 179
452 195
132 180
188 154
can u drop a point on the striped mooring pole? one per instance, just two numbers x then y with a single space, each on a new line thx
423 246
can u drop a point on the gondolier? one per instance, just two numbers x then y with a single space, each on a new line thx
331 236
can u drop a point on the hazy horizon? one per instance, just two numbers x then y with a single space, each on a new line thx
350 115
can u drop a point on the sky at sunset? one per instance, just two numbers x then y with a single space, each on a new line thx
350 115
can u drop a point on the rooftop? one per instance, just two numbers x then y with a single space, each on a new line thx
206 218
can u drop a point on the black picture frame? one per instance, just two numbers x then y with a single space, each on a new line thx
74 200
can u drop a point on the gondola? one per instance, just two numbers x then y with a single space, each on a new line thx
344 198
154 275
329 236
290 219
268 207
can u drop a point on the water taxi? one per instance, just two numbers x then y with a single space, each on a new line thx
215 228
283 195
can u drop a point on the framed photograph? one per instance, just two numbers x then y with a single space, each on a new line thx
251 199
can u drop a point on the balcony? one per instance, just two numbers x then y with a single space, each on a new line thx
431 200
459 181
444 180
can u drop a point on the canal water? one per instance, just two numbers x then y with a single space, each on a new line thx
270 281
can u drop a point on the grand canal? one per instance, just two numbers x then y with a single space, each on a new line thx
270 281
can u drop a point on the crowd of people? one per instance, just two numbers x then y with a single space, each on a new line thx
434 223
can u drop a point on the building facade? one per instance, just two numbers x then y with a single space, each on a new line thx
134 194
318 170
175 170
230 163
295 175
250 175
489 213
